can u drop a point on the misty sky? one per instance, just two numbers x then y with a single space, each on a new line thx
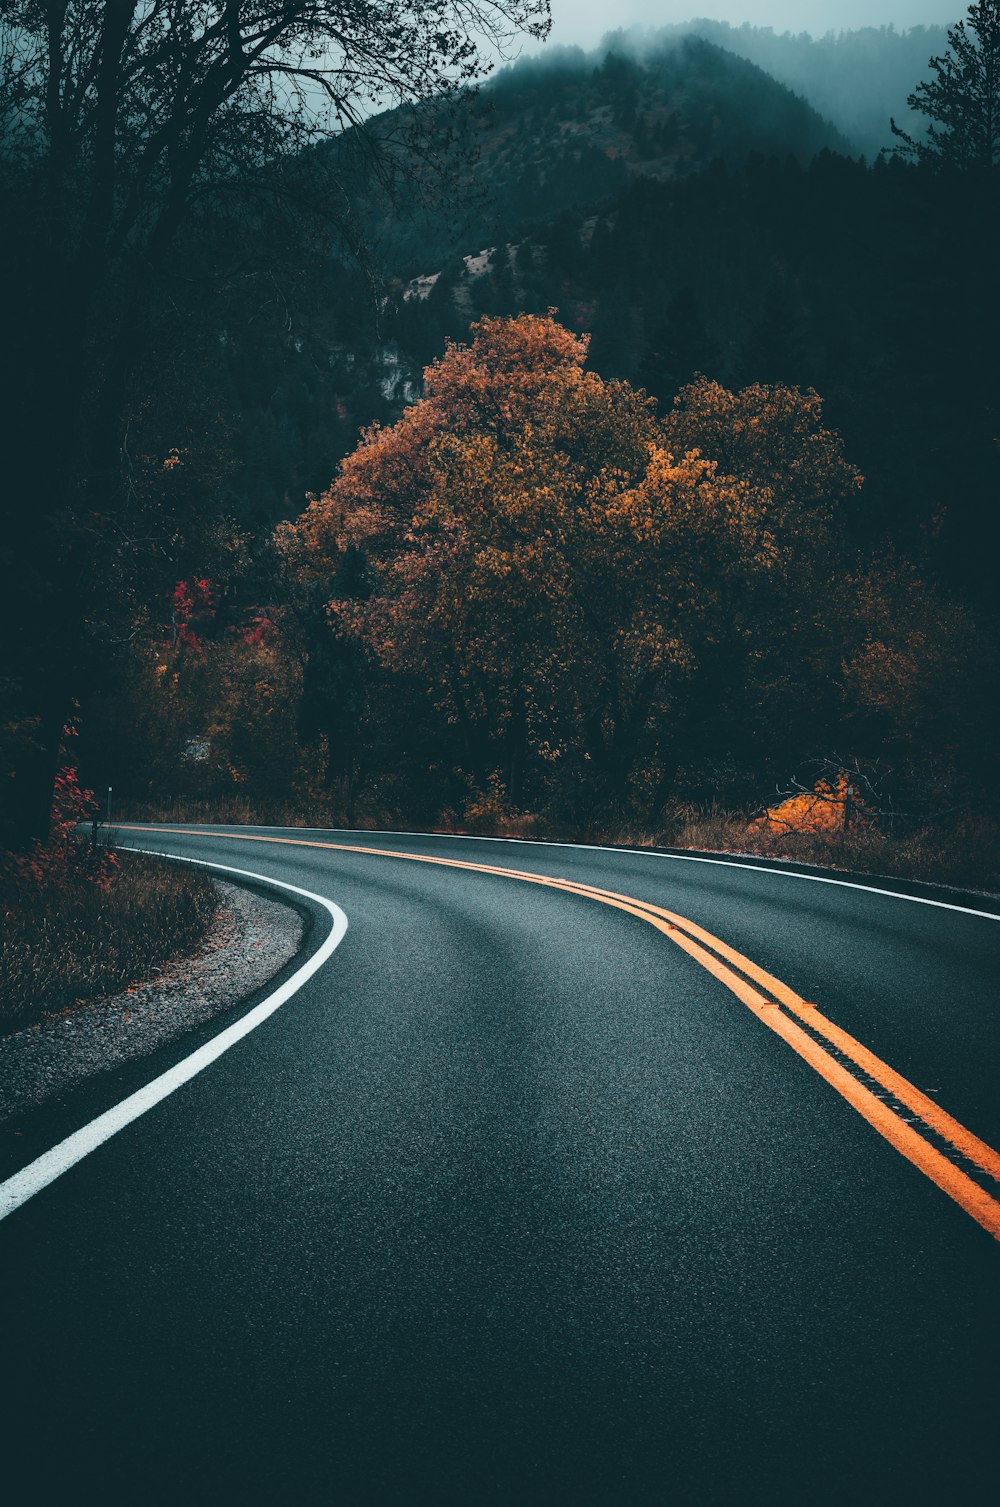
584 22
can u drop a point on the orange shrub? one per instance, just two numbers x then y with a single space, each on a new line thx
822 809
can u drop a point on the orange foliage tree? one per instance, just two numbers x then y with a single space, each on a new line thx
556 564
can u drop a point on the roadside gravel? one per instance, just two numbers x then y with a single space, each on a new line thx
251 938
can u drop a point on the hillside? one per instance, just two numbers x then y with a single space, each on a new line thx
569 131
546 153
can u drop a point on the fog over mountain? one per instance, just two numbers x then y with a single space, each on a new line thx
856 79
584 22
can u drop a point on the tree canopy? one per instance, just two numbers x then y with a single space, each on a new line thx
562 570
962 99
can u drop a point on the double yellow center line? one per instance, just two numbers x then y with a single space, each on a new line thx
780 1009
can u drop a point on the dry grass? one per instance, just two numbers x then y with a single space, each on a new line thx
237 811
63 945
965 854
230 811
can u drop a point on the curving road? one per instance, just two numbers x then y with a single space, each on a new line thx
535 1196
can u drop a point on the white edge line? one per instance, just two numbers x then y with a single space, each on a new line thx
588 847
52 1164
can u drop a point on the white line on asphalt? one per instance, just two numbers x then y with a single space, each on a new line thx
52 1164
587 847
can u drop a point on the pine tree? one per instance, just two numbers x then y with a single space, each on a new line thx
962 100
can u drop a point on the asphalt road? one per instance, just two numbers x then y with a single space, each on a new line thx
515 1202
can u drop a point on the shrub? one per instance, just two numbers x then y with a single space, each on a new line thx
65 859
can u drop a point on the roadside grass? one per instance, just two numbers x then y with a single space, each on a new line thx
963 852
227 811
965 855
64 944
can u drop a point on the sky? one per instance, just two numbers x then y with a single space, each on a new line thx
584 22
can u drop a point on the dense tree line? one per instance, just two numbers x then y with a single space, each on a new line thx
535 591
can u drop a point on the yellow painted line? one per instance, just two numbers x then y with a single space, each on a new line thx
907 1093
715 956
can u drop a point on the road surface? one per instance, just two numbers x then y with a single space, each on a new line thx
535 1196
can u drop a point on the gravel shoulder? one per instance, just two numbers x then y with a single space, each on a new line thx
251 939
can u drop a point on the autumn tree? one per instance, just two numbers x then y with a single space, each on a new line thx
126 125
557 565
505 412
962 99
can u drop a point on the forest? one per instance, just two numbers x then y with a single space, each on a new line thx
611 444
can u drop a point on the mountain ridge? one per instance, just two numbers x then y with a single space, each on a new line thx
568 132
857 78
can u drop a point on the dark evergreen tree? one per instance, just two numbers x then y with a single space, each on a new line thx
614 343
677 346
774 349
962 100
